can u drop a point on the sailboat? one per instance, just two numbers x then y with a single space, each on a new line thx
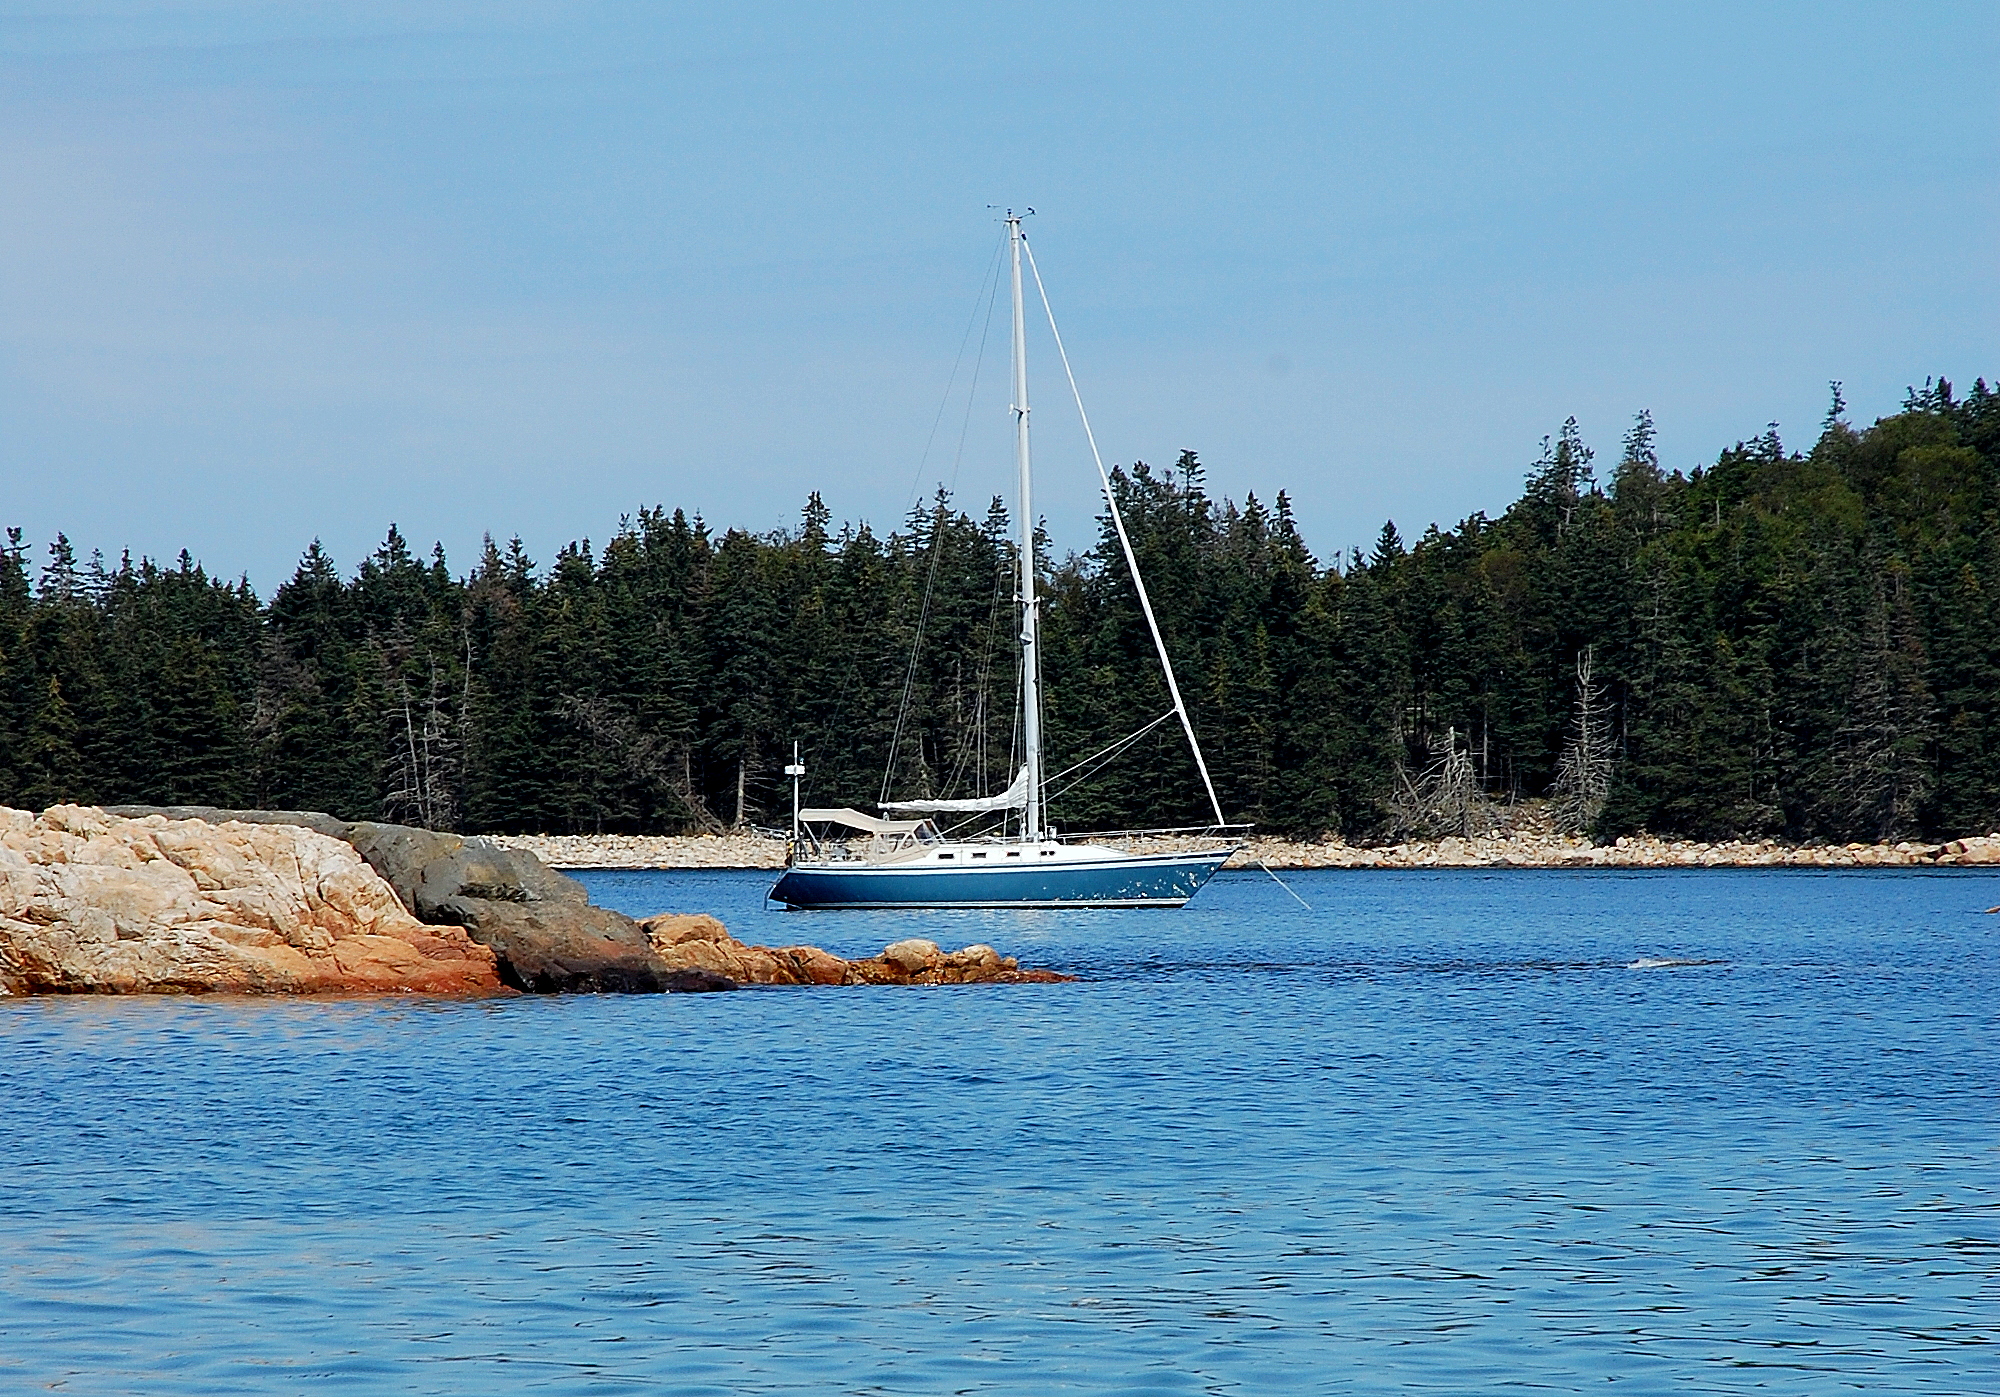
902 858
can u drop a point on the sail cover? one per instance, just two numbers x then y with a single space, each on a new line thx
854 819
1013 798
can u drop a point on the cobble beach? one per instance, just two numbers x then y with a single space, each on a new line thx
1524 849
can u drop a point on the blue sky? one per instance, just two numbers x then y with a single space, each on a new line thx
277 271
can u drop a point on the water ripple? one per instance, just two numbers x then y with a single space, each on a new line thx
1702 1131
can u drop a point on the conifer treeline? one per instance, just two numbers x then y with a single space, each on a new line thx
1789 644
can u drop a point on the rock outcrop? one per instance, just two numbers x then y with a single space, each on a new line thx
701 943
94 902
537 927
540 923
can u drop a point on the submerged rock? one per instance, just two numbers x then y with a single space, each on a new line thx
93 902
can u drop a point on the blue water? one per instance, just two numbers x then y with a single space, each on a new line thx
1437 1135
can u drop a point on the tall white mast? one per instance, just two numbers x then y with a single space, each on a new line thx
1031 677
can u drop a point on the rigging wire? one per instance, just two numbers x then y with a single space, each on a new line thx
1124 541
957 461
1107 754
975 754
990 292
980 704
1121 742
916 652
988 287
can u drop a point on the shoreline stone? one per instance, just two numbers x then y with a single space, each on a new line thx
1627 852
1517 849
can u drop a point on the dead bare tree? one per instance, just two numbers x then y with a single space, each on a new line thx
1880 777
1583 772
647 758
1445 799
425 777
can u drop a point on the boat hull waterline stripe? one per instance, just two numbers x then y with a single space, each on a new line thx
1157 881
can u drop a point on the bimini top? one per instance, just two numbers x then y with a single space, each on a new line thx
854 819
1013 798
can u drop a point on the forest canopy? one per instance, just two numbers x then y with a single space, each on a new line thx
1795 644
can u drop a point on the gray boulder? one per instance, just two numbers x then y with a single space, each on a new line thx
548 947
428 869
539 922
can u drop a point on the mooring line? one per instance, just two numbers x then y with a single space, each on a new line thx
1286 886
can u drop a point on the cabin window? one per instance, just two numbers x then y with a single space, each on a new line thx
979 856
1047 852
944 856
1013 853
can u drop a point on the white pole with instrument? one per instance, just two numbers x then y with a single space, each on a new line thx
1031 669
796 771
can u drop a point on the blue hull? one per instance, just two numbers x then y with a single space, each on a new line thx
1162 880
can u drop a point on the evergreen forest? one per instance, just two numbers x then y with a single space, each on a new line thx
1792 644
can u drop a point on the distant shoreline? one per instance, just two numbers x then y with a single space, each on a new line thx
749 851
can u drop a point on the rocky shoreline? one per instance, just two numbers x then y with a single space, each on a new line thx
190 900
197 900
1523 848
1630 851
